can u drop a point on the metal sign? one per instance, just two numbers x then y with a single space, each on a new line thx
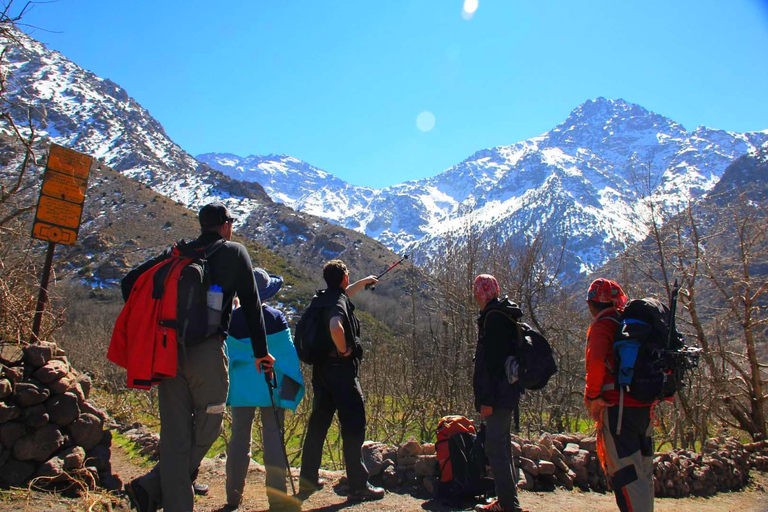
60 206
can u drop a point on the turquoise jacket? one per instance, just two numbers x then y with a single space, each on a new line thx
247 387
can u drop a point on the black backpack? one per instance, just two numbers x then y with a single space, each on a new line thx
537 361
194 279
645 353
463 468
312 337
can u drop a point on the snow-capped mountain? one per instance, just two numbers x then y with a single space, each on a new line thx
586 181
75 108
589 180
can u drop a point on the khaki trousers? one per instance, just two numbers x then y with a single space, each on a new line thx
191 409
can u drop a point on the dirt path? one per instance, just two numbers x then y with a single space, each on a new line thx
752 499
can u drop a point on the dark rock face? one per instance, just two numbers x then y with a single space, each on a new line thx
14 473
8 412
86 431
63 409
53 370
39 354
28 394
39 445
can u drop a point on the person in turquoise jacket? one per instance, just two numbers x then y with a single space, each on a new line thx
248 390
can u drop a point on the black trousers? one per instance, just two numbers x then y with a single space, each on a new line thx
337 388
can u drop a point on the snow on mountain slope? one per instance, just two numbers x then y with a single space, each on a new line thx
588 179
77 109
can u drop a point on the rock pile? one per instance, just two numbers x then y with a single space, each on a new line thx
50 433
570 460
147 442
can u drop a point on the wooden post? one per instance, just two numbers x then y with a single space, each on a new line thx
42 298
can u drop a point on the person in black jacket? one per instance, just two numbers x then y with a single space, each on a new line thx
495 397
337 387
192 403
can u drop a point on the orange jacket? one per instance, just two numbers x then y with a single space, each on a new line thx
600 362
139 343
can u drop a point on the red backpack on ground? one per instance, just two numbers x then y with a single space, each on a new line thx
167 305
461 455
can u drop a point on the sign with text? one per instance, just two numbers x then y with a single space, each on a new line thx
61 197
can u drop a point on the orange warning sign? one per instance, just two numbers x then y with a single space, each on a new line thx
69 162
61 197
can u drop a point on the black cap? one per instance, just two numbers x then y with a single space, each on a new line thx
214 215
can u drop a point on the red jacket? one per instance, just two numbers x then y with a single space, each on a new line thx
600 361
139 343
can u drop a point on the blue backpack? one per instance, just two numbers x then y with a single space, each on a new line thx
645 352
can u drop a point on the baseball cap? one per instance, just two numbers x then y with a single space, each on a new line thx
267 284
213 215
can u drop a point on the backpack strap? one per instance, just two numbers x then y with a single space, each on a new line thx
213 248
512 319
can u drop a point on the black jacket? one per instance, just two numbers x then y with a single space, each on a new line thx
231 270
497 336
336 302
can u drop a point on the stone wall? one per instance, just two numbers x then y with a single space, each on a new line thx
570 460
50 434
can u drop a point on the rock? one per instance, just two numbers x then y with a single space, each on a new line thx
63 409
529 466
589 444
74 457
99 458
14 374
408 449
35 416
579 460
546 440
64 384
428 449
106 439
571 449
39 445
11 432
27 394
427 465
546 468
566 479
532 451
110 482
406 462
8 412
38 354
558 460
11 353
51 471
6 388
432 485
517 450
86 384
390 478
86 431
525 481
373 457
583 477
51 371
15 473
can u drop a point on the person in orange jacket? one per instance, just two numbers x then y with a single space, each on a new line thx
624 429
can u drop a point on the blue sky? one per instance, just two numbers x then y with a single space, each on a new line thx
341 84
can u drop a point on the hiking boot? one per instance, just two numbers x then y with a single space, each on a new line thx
495 506
200 489
367 493
307 488
139 498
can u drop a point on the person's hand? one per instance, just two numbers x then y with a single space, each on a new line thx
485 411
267 361
596 407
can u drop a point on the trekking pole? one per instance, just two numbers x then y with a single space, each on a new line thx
371 286
672 311
271 377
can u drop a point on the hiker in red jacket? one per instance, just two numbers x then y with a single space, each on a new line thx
625 446
192 403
